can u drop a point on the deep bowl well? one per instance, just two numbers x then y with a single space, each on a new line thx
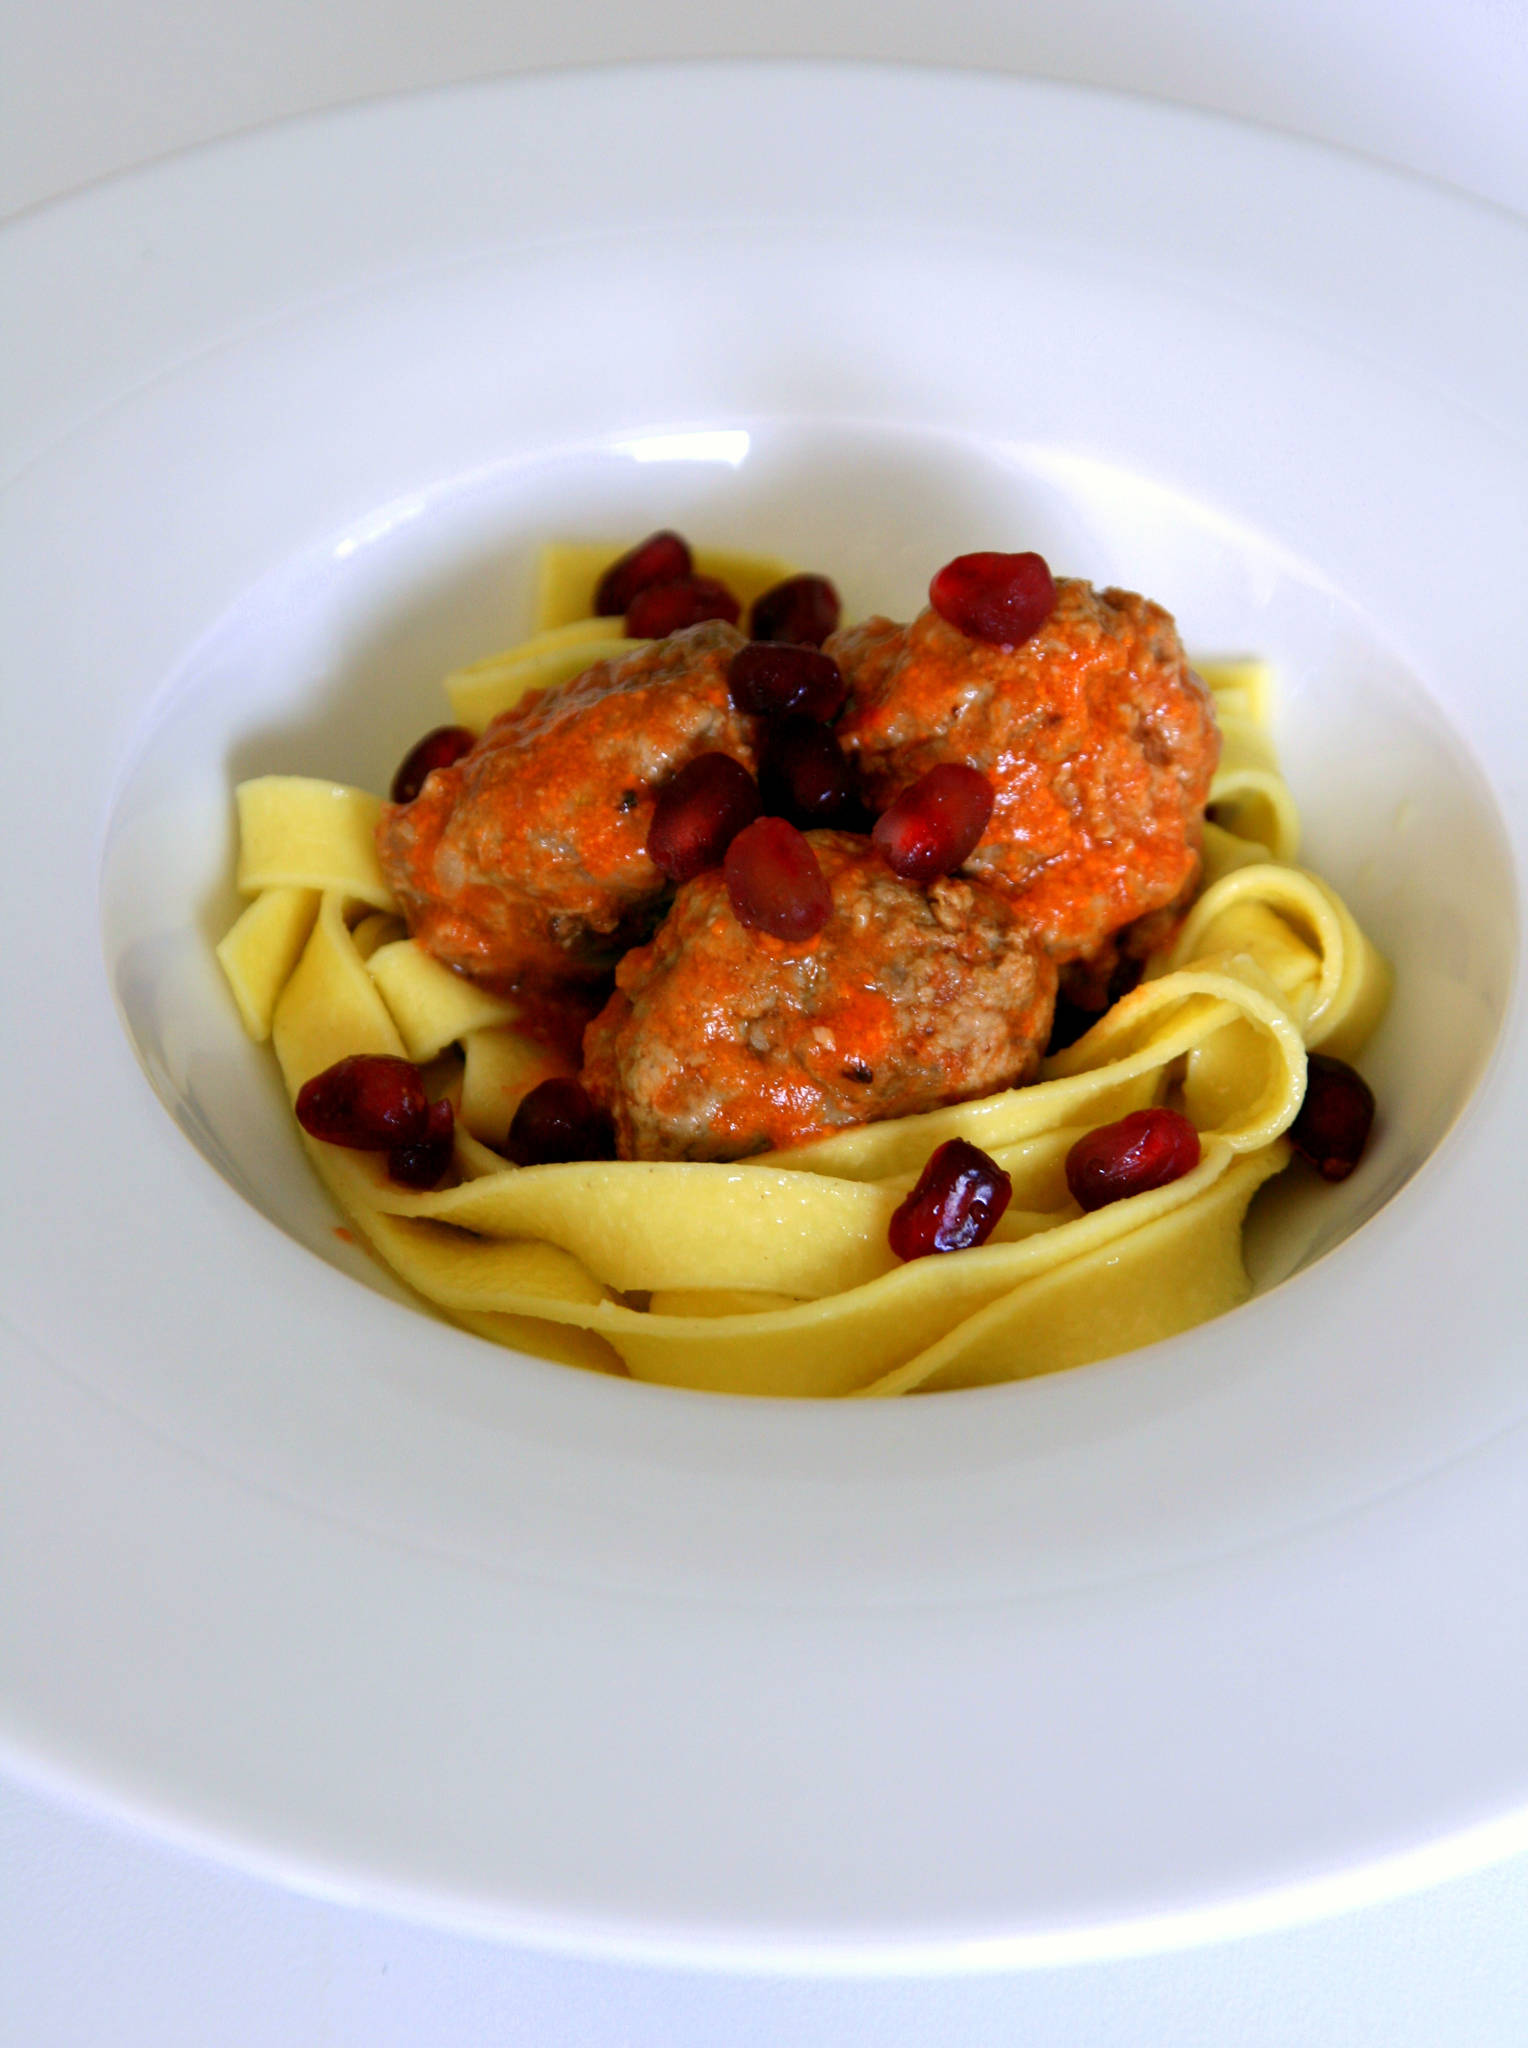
1038 1670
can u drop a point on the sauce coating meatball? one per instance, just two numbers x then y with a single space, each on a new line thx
525 862
1098 738
721 1041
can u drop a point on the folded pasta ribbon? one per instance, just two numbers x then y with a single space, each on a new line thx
768 1277
774 1275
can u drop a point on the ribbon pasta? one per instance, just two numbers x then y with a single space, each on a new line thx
773 1275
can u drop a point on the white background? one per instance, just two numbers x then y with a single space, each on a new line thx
109 1940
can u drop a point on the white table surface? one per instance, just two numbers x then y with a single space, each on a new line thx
109 1939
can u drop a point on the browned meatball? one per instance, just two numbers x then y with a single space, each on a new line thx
722 1041
526 861
1097 737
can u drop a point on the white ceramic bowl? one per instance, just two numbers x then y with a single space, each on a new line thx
1192 1639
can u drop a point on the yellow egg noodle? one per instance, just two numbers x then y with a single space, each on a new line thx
774 1275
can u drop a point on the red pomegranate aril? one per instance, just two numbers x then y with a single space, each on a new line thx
958 1201
1332 1126
1001 599
774 883
935 823
699 812
805 776
1147 1149
773 681
421 1165
802 610
663 608
556 1122
370 1102
662 558
438 749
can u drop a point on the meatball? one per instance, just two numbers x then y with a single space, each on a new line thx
1099 741
721 1041
525 862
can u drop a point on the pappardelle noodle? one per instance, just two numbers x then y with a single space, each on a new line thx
773 1275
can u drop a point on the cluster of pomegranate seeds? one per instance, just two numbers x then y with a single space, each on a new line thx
774 883
1001 599
1335 1118
663 557
698 814
775 681
935 823
664 608
958 1201
438 749
375 1102
1145 1150
556 1122
802 610
797 691
805 776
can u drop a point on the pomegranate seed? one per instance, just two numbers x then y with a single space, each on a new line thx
438 749
935 823
663 608
771 681
804 776
699 813
1333 1123
802 609
960 1196
1002 599
421 1165
556 1122
370 1102
662 558
1144 1150
774 882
